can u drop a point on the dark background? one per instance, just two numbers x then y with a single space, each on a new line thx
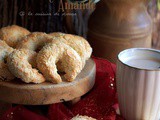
17 12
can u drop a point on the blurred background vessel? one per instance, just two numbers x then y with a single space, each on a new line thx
116 25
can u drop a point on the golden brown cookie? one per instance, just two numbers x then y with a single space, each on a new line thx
80 117
79 44
5 74
56 52
13 34
19 63
34 41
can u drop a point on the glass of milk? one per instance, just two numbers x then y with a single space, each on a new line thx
138 83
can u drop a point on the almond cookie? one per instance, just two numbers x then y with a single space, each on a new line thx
79 44
80 117
5 74
13 34
34 41
21 62
56 52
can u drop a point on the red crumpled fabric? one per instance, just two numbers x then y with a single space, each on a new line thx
99 103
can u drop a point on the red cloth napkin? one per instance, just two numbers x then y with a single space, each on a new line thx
99 103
